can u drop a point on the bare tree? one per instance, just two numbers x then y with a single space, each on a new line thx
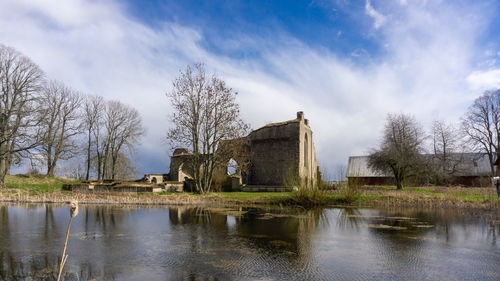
124 168
93 112
205 113
481 124
401 148
123 127
20 82
113 129
60 123
447 151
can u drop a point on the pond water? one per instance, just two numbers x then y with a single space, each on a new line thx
195 243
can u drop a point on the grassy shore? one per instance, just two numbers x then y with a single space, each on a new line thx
39 189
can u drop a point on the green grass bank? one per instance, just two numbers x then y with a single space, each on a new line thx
41 189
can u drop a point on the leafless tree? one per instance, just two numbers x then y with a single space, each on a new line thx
340 171
205 113
124 168
401 148
123 128
60 123
481 124
448 151
93 114
20 81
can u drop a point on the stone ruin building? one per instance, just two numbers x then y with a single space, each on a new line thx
272 158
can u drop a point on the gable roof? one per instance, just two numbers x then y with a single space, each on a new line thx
469 165
358 167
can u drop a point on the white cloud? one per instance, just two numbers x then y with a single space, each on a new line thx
426 69
377 16
484 80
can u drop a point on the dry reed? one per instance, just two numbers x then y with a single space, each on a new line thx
73 211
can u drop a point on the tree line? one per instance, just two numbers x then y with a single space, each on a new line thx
45 121
408 152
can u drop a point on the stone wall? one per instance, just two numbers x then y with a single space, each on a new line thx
155 178
180 166
279 154
274 153
282 153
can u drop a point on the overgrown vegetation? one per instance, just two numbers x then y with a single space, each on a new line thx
308 197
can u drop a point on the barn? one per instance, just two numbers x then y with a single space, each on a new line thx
471 169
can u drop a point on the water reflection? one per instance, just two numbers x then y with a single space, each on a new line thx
195 243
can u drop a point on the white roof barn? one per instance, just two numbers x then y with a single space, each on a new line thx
467 165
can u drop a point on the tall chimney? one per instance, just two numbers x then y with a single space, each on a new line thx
300 115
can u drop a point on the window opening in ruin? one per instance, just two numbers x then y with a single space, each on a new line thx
232 167
153 180
306 150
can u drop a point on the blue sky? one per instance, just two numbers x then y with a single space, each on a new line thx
346 64
340 27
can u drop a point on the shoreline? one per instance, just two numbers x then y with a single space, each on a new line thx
367 198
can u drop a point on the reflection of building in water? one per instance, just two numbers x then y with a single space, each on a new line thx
288 231
276 155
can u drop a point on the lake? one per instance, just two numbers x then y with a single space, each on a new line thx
199 243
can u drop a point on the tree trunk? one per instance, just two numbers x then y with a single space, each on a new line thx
8 164
50 170
114 158
3 170
399 184
99 167
88 155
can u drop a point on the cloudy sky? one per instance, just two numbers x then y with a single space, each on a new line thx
346 64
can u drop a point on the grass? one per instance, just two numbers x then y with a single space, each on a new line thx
36 183
22 188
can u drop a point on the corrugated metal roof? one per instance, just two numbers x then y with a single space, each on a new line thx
470 164
358 167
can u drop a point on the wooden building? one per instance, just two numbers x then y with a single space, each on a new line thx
470 169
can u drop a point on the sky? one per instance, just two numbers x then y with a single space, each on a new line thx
346 64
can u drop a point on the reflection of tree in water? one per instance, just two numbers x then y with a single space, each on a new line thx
197 215
29 248
42 267
104 216
5 224
49 222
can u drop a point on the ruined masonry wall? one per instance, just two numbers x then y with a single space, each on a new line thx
274 154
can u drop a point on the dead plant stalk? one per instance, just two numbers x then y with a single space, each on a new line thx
73 211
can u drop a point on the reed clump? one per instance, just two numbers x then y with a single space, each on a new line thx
308 197
349 193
